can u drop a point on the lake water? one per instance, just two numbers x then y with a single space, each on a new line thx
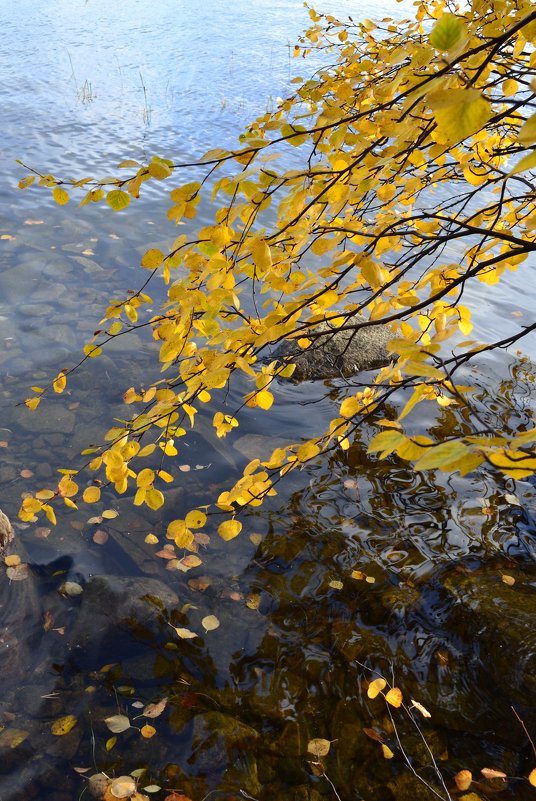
85 85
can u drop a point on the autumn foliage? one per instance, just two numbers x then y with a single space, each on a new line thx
383 187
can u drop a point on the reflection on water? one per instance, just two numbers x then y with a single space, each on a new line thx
298 636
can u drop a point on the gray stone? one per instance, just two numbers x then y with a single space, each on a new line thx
340 353
258 446
47 419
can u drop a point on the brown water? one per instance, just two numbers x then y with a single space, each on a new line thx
298 637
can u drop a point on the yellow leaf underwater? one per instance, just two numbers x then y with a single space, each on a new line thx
63 725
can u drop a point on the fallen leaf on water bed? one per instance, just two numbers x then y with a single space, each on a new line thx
152 788
185 634
150 539
463 779
336 585
147 731
318 747
18 573
123 787
509 580
26 473
109 514
13 560
154 710
100 536
71 588
374 735
191 561
253 600
110 742
117 723
210 622
33 222
42 532
4 444
7 236
11 738
63 725
375 687
532 777
199 584
48 620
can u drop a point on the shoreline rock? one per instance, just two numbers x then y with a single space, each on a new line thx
341 353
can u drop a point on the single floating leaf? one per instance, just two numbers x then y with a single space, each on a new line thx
532 777
210 622
63 725
123 787
155 710
110 742
318 747
147 731
117 723
185 634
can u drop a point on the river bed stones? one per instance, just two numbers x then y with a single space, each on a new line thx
338 353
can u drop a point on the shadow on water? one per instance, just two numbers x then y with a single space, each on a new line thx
368 569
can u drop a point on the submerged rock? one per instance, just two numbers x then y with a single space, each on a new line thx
115 611
338 353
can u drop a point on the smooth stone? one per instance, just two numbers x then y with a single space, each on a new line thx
258 446
340 353
50 418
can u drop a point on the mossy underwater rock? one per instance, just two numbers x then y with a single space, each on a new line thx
340 353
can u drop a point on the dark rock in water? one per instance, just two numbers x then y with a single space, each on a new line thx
115 611
340 353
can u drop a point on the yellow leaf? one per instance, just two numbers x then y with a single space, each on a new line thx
91 494
185 634
463 779
458 113
318 747
117 199
447 32
60 195
109 514
264 399
349 407
123 787
394 697
150 539
532 777
442 455
229 529
152 259
527 132
63 725
388 754
509 87
147 731
178 531
375 687
13 560
154 498
32 403
210 622
59 382
110 742
195 519
145 477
